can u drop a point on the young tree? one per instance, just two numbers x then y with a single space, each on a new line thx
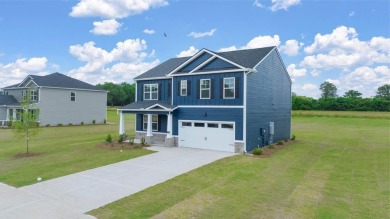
353 94
28 124
383 92
328 90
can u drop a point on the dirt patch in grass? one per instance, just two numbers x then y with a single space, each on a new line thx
270 149
120 146
25 155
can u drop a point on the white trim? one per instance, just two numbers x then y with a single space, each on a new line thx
165 133
200 88
234 88
210 106
203 64
181 87
27 85
66 88
156 105
239 141
142 110
151 93
186 62
24 80
143 121
136 91
244 111
171 91
212 72
155 78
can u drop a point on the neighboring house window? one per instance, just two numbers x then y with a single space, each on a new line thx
205 89
151 92
183 88
154 122
72 96
228 88
34 95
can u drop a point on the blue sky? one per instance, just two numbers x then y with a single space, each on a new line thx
343 42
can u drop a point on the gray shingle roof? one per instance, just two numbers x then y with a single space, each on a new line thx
8 100
247 58
139 105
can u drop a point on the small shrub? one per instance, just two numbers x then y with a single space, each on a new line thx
105 121
293 137
59 124
280 143
82 123
271 146
70 124
94 121
122 138
257 151
285 140
47 125
143 141
109 138
131 141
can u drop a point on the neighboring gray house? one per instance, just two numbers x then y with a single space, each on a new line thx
60 99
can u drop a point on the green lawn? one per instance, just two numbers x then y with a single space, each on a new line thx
344 114
63 150
338 168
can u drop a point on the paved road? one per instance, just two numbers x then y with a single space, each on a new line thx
73 195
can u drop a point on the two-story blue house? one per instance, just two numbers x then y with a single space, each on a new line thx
228 101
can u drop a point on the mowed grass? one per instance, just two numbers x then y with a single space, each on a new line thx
63 150
338 168
343 114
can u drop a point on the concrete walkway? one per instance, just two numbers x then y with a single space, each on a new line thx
73 195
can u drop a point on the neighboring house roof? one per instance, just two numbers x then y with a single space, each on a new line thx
152 105
247 58
59 80
8 100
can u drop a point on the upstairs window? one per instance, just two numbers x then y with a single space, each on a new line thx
34 95
154 122
72 96
205 89
228 88
183 88
151 92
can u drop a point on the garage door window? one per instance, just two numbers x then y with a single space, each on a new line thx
227 126
199 124
186 124
154 122
212 125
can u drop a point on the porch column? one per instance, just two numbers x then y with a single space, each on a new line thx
121 124
14 113
149 128
169 125
7 118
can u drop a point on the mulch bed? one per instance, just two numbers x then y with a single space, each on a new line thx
120 146
267 151
25 155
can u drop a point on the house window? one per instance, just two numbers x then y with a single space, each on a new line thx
72 96
205 89
34 95
183 88
228 88
24 95
151 92
154 122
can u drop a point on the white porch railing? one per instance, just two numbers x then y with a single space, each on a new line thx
5 123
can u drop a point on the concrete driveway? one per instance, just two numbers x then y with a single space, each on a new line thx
73 195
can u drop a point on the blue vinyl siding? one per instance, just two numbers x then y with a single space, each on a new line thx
213 114
195 63
163 88
217 97
217 64
268 100
162 123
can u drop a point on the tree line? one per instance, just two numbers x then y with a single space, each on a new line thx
351 100
119 94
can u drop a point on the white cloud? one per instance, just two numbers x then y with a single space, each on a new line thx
202 34
291 47
351 13
123 63
342 49
257 42
189 52
315 73
335 82
15 72
283 4
258 4
294 72
227 49
113 8
309 87
150 32
106 27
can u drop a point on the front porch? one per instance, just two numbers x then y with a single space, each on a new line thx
153 121
10 114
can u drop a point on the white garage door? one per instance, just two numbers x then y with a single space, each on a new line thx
207 135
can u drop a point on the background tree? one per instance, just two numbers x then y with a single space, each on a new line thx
28 124
383 92
328 90
353 94
118 94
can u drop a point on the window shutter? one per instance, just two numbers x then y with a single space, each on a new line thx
237 87
188 87
142 93
178 87
169 89
221 89
159 91
197 89
211 88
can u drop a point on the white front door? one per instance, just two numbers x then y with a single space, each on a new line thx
217 136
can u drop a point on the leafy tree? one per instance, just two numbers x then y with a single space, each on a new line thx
353 94
383 92
328 90
129 89
118 94
28 124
